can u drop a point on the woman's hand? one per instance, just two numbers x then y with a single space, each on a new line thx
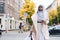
43 22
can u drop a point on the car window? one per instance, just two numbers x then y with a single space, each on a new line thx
57 27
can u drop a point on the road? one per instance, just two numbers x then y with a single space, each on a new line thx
14 35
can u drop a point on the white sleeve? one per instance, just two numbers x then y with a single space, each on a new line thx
46 17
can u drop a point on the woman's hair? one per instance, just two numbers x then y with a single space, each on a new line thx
40 6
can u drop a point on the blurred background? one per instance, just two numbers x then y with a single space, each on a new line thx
16 22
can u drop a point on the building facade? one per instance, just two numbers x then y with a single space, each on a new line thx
9 14
21 3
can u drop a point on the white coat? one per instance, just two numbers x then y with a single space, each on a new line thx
44 29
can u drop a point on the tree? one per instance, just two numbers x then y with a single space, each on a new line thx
53 17
58 11
29 8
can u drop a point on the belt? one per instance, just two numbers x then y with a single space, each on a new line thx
38 21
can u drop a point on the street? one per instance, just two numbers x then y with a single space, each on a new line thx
29 14
14 35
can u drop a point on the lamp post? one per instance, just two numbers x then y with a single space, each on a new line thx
25 16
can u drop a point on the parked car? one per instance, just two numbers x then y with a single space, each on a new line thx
54 30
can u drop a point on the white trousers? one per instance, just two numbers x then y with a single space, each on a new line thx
42 32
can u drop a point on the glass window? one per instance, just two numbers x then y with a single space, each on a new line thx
0 20
10 21
2 5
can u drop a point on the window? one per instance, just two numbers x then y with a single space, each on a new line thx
10 21
0 20
2 0
2 5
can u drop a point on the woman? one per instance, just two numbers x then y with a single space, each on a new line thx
40 21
